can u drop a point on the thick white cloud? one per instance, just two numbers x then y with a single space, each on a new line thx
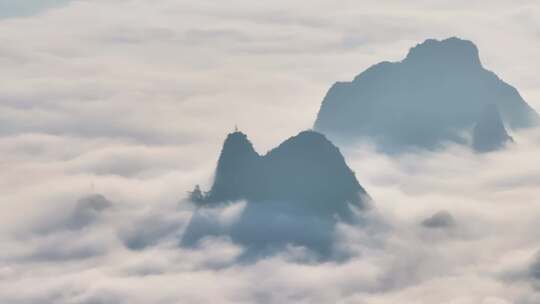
133 98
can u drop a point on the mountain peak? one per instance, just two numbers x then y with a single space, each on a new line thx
237 145
237 162
424 101
238 139
452 51
306 169
302 185
307 141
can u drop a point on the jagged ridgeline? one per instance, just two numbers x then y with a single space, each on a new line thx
438 91
306 170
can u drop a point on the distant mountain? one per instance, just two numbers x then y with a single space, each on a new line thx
489 133
295 194
438 91
306 169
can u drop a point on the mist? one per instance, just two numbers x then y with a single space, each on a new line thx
108 118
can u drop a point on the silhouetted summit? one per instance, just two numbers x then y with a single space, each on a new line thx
452 53
237 166
434 94
306 169
295 194
489 133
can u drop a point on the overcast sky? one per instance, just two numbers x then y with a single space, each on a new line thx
133 99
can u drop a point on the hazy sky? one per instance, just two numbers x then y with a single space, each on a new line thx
133 98
17 8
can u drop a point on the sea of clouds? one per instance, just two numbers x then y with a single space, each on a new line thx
110 111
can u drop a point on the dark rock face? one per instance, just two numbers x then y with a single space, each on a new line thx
489 133
294 194
438 90
306 169
237 169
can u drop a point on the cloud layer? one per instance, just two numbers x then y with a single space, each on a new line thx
134 106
